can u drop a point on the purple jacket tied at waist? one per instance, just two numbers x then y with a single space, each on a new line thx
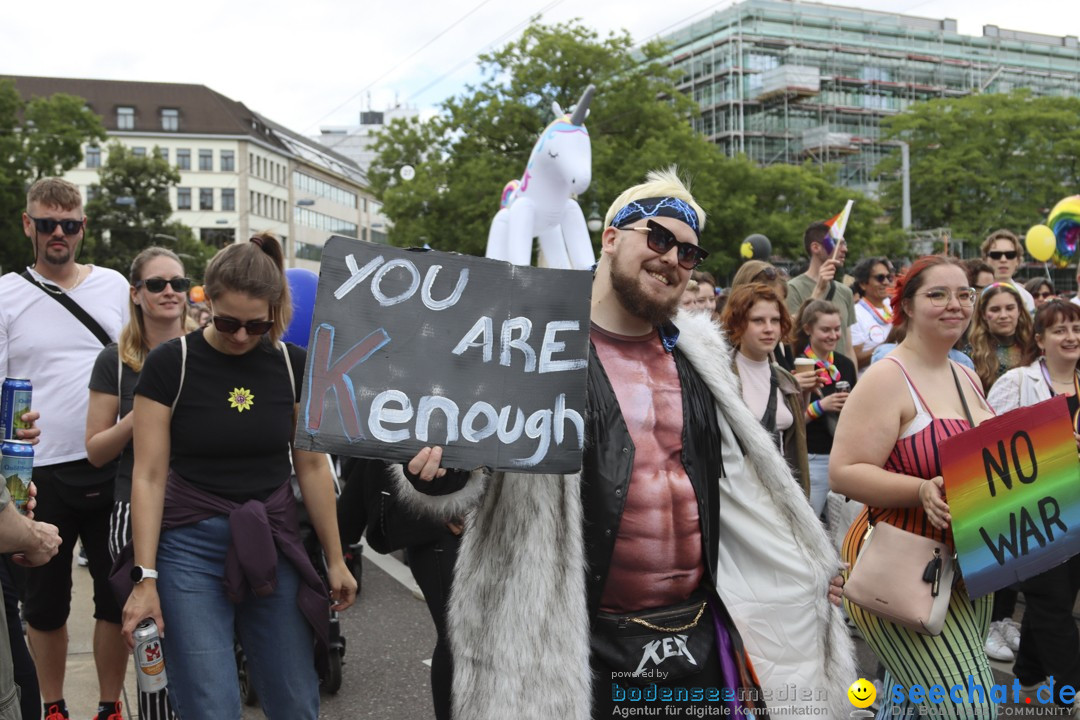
251 560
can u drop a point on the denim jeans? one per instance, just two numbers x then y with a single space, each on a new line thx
200 621
819 481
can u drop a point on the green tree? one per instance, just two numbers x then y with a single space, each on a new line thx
131 212
37 138
984 162
481 139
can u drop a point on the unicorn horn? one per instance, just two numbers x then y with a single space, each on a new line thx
582 108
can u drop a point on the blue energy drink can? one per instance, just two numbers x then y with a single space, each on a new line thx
17 467
15 398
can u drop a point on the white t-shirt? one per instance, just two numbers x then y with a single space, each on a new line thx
869 329
41 340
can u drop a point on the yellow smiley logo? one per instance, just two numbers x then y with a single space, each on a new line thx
862 693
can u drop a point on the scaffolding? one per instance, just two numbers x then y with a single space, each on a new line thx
782 81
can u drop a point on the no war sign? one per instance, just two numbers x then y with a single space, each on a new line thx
416 348
1013 488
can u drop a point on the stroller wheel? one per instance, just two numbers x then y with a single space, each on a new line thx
332 682
247 688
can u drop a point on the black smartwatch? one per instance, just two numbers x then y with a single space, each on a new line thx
140 573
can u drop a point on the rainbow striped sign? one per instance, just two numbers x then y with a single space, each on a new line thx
1013 487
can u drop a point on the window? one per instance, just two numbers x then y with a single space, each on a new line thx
92 191
228 199
183 159
138 151
217 237
164 153
125 118
183 198
206 198
170 119
206 160
228 161
93 156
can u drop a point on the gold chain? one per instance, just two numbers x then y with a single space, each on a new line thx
657 628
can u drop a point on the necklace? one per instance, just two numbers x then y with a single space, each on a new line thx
57 289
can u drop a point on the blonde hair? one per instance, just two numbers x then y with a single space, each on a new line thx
984 344
658 183
132 343
257 269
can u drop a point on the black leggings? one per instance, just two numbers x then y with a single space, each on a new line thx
432 566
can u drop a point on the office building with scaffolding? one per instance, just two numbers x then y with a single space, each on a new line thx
783 81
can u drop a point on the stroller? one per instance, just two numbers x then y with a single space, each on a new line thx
330 678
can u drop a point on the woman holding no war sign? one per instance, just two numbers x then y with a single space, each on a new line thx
885 455
1049 640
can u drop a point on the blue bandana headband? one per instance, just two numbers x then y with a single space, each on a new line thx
657 206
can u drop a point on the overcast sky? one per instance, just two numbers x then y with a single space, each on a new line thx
307 63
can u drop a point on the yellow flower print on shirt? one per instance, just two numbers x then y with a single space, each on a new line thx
241 399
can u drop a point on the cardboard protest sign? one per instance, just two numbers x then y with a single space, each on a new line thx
416 348
1013 487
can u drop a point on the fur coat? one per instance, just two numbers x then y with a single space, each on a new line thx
518 623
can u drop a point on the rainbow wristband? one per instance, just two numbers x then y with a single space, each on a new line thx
815 409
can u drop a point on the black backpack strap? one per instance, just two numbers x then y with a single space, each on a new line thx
832 291
72 307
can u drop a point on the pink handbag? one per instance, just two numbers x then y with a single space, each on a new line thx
902 577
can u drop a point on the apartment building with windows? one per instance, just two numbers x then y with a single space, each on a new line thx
240 171
784 81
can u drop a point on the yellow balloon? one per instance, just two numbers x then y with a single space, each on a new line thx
746 250
1040 242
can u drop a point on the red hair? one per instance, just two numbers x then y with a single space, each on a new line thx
910 282
737 310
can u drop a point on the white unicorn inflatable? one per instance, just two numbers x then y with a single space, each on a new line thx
541 204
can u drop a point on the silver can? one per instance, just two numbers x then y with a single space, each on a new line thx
149 659
843 386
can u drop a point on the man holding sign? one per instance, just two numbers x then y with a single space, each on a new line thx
589 593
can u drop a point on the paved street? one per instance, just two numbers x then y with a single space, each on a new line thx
390 638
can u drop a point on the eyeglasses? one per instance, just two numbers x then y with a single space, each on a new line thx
230 325
156 284
939 297
661 240
48 225
883 277
999 254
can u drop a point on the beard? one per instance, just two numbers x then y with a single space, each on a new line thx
637 302
53 259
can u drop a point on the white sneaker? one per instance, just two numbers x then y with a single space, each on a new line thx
996 647
1010 630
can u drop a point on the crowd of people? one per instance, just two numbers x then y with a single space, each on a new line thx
739 444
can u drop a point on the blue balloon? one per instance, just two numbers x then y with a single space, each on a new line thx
303 285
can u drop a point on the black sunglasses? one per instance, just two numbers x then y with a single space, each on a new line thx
768 273
156 284
48 225
661 240
999 254
883 277
230 325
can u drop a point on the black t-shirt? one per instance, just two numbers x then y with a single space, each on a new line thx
818 438
234 420
103 379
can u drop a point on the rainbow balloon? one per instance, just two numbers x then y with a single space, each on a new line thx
1065 222
1013 487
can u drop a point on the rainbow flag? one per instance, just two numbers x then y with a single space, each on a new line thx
1013 488
837 226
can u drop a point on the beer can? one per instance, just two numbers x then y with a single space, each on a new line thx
149 659
17 467
843 386
15 397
